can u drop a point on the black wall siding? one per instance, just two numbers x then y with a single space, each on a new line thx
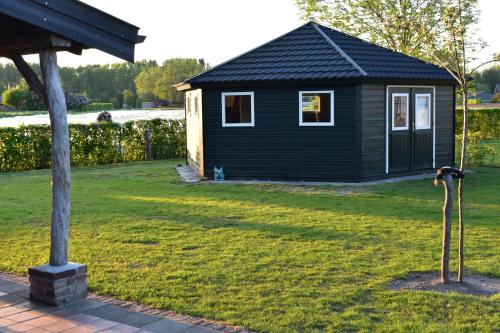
373 130
277 147
445 120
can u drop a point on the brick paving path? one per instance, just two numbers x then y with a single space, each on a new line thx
101 314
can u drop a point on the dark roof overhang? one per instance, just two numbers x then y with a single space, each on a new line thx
71 21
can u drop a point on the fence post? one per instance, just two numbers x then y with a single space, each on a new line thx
147 136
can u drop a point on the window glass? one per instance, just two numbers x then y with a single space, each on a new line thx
196 105
423 111
238 109
400 111
316 107
188 104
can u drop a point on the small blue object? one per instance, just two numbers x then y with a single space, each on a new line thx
219 173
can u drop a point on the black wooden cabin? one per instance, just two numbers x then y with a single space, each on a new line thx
318 105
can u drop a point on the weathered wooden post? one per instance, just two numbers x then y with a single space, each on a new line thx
44 28
59 282
147 137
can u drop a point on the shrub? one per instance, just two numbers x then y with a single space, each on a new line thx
76 102
104 117
15 96
484 122
98 107
28 147
496 98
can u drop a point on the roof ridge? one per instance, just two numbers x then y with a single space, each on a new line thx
339 50
242 54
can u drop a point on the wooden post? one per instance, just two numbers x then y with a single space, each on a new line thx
147 136
60 158
447 181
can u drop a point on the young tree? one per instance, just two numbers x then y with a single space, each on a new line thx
391 23
451 43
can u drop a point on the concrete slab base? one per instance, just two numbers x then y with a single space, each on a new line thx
189 175
58 285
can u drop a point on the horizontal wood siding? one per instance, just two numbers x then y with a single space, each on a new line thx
372 131
277 147
373 128
444 126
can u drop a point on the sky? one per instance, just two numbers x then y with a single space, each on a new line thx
222 29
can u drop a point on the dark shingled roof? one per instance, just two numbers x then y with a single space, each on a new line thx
313 51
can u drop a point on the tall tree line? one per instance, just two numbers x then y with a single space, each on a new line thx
120 83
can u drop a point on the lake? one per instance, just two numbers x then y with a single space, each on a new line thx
119 116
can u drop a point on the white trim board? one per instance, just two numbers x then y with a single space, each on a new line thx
407 119
252 109
387 122
332 108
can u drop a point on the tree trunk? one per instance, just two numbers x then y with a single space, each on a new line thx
447 218
60 158
463 156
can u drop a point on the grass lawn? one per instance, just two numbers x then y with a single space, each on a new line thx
271 258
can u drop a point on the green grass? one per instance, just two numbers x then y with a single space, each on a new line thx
271 258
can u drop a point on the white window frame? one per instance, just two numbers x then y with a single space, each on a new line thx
429 112
332 108
252 108
407 95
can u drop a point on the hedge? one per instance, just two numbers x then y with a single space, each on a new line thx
484 122
28 147
98 107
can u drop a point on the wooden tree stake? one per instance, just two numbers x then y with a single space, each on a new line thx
447 180
61 170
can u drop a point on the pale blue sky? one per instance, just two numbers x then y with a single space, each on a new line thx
221 29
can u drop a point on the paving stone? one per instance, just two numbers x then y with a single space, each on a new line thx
13 287
102 324
36 330
81 318
3 294
166 325
8 311
42 321
20 327
137 319
79 329
6 322
109 312
11 300
197 329
59 326
84 306
121 329
25 316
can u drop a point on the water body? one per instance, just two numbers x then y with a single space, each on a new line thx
119 116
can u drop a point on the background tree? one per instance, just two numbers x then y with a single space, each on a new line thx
487 79
390 23
128 98
146 83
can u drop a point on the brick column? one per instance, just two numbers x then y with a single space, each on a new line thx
58 285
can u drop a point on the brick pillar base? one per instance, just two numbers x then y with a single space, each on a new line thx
58 285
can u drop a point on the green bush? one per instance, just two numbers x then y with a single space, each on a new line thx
28 147
98 107
484 122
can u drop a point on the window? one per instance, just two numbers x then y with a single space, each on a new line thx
316 108
237 109
188 104
400 109
423 111
196 105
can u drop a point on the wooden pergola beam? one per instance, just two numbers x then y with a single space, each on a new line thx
33 43
29 75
